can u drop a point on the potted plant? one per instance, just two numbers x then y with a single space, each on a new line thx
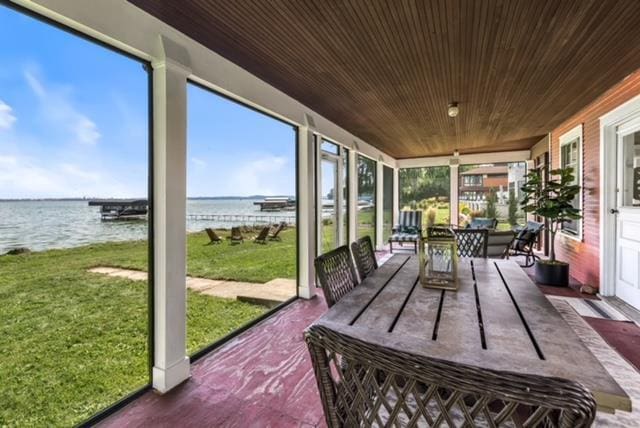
552 200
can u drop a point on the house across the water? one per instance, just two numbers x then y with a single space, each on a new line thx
121 209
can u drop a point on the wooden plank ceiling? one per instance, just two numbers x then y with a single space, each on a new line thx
386 70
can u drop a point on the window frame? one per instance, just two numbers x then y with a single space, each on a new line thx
565 139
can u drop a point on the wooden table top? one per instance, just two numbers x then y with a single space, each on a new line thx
498 319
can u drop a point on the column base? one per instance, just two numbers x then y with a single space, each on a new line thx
307 292
165 379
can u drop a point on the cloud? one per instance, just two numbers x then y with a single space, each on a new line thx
264 176
198 162
59 110
7 118
24 177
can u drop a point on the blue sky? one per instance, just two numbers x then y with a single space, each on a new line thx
74 118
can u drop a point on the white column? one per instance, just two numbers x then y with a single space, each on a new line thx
339 199
306 214
396 195
353 196
171 363
453 169
379 205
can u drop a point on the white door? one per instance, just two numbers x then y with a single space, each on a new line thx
628 214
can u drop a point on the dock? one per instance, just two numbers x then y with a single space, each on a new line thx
246 219
276 204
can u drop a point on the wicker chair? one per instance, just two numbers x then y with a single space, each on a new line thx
364 256
456 395
472 242
336 274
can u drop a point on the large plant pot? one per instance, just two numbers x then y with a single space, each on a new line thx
556 274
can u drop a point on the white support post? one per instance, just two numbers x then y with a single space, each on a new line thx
396 196
379 205
170 71
453 169
353 195
339 198
307 214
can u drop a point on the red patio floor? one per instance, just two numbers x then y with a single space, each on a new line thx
263 378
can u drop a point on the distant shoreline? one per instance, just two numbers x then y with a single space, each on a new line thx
193 198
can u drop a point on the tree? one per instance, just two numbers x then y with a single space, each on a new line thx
552 200
513 208
492 200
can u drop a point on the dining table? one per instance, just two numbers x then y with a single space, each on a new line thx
497 319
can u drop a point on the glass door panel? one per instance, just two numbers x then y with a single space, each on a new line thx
329 210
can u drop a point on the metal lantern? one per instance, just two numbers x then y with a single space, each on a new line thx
438 263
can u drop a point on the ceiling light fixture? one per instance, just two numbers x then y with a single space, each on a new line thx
456 153
453 109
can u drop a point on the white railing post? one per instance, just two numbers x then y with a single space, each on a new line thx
379 205
170 71
307 214
396 196
353 195
453 169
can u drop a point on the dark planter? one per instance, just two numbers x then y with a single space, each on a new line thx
556 274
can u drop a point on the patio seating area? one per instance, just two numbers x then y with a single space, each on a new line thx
356 213
267 372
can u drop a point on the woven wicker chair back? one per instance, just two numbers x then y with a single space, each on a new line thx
364 256
336 274
472 242
366 385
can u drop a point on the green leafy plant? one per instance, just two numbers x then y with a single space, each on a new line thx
492 200
552 200
513 208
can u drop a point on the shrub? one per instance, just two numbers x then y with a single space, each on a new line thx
431 216
492 199
513 208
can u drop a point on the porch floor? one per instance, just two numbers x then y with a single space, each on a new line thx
263 378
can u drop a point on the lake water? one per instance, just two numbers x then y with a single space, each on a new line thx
42 225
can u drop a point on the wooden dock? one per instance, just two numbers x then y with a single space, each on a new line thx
247 219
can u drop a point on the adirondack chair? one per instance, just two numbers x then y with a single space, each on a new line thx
262 236
273 236
213 236
236 236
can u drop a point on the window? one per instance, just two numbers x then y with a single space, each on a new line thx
241 181
74 121
427 189
366 197
493 191
387 204
571 157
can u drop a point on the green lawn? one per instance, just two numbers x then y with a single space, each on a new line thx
74 342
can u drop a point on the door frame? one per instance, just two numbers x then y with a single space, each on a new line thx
609 124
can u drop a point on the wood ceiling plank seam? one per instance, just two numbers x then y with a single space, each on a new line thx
589 50
434 90
404 37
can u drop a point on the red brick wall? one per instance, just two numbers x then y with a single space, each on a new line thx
584 255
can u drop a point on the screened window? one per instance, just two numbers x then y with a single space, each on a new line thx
427 189
571 157
366 197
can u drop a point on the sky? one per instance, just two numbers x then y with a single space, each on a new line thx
74 123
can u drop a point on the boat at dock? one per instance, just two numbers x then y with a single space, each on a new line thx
276 204
122 209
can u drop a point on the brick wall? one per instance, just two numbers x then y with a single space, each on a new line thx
584 255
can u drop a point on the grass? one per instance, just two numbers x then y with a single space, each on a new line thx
74 342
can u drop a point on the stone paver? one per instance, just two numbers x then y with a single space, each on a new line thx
274 291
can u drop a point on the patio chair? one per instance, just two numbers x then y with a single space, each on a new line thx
471 242
483 223
236 236
336 274
408 229
364 256
213 236
499 242
262 236
273 236
524 242
348 373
